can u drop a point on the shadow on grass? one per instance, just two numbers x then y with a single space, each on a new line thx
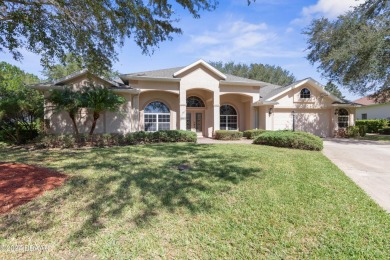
139 182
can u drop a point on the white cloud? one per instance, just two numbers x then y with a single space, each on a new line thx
242 27
237 39
330 8
205 39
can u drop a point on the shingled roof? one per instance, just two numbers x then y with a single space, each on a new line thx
168 74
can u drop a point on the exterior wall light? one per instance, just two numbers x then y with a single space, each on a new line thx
270 111
336 112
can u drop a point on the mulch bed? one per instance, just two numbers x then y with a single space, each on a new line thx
21 183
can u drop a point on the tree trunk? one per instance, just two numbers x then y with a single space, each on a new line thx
96 116
76 130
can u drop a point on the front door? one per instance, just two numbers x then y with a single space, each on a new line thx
195 121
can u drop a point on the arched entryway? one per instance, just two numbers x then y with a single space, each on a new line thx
195 114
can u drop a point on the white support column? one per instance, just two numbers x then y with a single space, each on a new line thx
135 115
216 110
183 109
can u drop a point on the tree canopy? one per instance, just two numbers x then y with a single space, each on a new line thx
353 50
91 29
257 71
21 108
334 90
71 64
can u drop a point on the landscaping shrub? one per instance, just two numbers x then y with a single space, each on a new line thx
362 130
290 139
101 140
251 134
373 125
228 135
353 131
384 131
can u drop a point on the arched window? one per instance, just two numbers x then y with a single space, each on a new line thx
157 117
305 93
194 102
343 118
228 118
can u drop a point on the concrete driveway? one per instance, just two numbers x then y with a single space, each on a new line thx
367 163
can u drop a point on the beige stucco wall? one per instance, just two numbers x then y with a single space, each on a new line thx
109 122
292 99
315 115
380 111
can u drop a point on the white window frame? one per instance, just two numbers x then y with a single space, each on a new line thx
226 120
157 124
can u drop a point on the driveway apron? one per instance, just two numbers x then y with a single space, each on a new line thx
367 163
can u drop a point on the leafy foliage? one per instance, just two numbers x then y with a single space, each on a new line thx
89 29
21 108
290 139
256 71
71 64
95 98
251 134
353 50
334 90
384 131
227 135
373 125
68 100
99 99
100 140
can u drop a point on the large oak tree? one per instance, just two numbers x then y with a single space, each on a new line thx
91 29
257 71
354 49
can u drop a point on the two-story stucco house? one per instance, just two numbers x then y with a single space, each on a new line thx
200 98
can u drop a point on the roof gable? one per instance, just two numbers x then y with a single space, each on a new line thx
279 92
201 63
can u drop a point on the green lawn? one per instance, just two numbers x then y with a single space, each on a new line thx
376 137
236 201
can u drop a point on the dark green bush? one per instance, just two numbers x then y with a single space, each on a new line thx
251 134
227 135
353 131
290 139
362 130
101 140
373 125
384 131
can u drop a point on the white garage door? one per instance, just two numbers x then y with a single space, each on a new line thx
315 122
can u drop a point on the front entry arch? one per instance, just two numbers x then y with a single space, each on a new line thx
195 114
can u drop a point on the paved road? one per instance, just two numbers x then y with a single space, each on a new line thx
367 163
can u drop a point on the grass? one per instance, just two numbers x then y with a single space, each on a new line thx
376 137
235 201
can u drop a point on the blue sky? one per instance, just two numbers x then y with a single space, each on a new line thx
267 31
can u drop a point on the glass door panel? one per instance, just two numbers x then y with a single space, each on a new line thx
198 122
188 121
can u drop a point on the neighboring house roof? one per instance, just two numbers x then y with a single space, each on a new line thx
366 101
171 74
57 84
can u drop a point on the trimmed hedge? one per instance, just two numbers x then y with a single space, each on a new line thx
251 134
384 131
290 139
373 125
101 140
228 135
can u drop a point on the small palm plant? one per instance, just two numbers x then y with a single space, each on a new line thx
67 100
99 99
